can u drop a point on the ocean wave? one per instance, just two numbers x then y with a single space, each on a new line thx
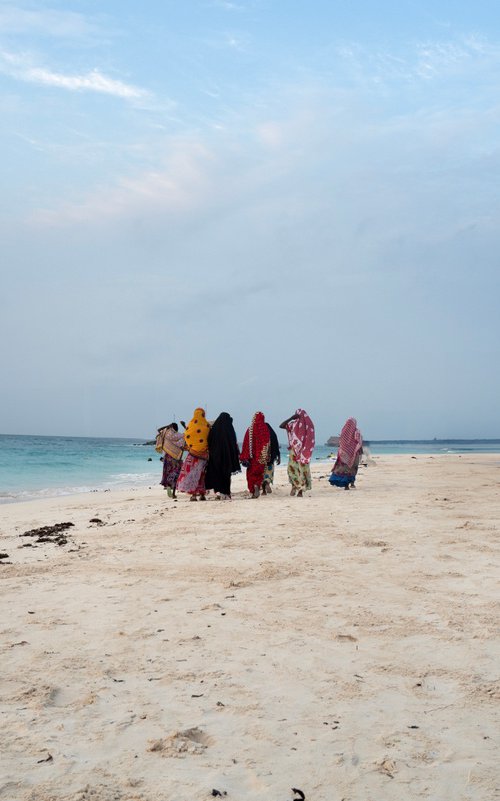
16 496
128 480
116 481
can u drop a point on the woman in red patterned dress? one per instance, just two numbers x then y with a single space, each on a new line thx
255 452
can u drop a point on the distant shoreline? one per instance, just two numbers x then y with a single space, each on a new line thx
368 442
144 440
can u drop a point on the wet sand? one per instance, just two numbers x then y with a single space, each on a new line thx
345 644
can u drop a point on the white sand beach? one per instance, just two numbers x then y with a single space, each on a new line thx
345 644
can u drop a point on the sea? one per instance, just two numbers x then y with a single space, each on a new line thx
42 467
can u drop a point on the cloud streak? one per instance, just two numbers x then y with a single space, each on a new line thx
64 24
21 68
421 61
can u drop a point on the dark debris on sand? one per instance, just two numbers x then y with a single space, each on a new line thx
54 534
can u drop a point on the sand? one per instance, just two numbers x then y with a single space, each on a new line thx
345 644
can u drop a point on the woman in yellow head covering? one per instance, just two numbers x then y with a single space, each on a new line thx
192 476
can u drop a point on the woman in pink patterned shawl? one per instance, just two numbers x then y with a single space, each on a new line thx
349 455
300 430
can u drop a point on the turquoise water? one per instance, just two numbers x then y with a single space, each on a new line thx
32 467
35 467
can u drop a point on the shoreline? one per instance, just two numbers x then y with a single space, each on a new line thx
63 469
47 494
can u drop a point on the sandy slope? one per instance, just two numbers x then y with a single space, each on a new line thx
345 643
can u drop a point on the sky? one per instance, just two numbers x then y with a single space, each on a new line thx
250 205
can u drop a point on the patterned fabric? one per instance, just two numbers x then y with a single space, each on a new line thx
172 442
255 474
342 475
350 443
196 434
192 475
171 470
299 475
269 474
301 437
257 440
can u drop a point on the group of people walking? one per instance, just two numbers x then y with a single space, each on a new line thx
213 456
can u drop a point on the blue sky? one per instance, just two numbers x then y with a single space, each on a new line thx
255 204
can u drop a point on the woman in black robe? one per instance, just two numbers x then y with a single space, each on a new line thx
223 458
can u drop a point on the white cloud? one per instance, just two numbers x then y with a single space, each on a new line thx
20 67
47 21
436 57
179 187
228 5
425 61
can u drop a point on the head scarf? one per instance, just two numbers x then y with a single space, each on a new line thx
224 455
257 440
350 442
196 434
301 436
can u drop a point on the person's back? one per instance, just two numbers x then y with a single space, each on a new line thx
223 456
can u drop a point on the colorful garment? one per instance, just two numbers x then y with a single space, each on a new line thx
301 438
350 442
255 451
268 474
299 475
172 442
192 475
346 466
223 460
343 476
301 441
171 470
196 434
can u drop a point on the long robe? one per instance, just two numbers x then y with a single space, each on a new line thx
223 458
